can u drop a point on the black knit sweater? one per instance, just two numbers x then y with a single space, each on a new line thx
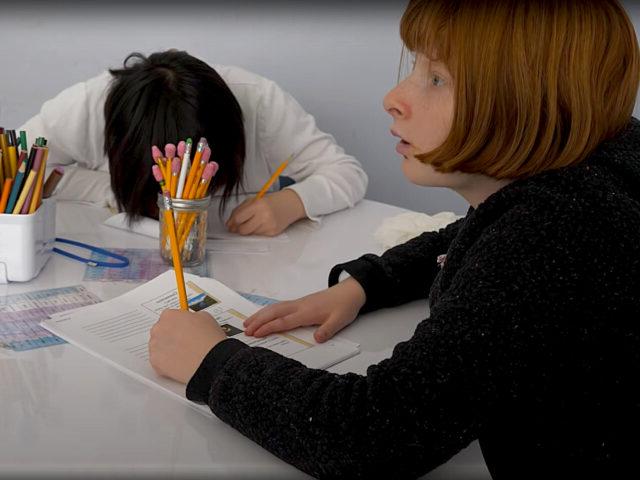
532 345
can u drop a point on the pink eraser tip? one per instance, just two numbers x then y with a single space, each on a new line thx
181 148
206 154
157 174
215 167
175 165
208 171
203 140
59 169
155 152
170 150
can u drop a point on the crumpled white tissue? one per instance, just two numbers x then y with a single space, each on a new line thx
401 228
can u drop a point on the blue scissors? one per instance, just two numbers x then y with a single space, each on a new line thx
121 263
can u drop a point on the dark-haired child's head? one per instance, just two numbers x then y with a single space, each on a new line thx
163 98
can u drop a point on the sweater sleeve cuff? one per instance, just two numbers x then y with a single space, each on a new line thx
200 384
366 274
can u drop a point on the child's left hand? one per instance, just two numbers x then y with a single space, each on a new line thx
270 215
179 342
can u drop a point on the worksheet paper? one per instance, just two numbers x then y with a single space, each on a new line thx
118 330
21 314
151 228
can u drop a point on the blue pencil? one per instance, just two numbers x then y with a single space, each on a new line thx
15 191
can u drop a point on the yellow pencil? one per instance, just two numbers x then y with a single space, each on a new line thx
13 160
157 157
275 175
37 191
173 239
184 227
26 188
4 148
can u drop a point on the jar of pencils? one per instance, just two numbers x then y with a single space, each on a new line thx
191 230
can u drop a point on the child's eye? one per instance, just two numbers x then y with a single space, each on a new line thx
437 80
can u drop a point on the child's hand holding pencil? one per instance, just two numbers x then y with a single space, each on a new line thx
267 214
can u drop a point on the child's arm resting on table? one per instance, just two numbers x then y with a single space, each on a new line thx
401 274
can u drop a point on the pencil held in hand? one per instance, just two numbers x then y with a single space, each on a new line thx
273 178
168 217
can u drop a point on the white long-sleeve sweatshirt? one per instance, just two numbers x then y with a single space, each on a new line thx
327 179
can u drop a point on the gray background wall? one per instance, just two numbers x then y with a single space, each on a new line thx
337 59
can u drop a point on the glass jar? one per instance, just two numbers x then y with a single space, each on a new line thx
190 219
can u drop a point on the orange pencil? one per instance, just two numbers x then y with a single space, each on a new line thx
171 227
275 175
5 194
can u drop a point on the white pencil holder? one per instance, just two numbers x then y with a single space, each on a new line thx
26 242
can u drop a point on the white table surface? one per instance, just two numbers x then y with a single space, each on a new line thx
67 414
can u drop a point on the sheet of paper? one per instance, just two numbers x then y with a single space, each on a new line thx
21 314
118 330
144 264
150 228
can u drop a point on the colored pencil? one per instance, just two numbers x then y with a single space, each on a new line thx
21 158
36 198
5 194
15 189
52 182
23 140
28 184
13 159
4 146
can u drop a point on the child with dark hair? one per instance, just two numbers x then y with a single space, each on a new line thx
106 126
